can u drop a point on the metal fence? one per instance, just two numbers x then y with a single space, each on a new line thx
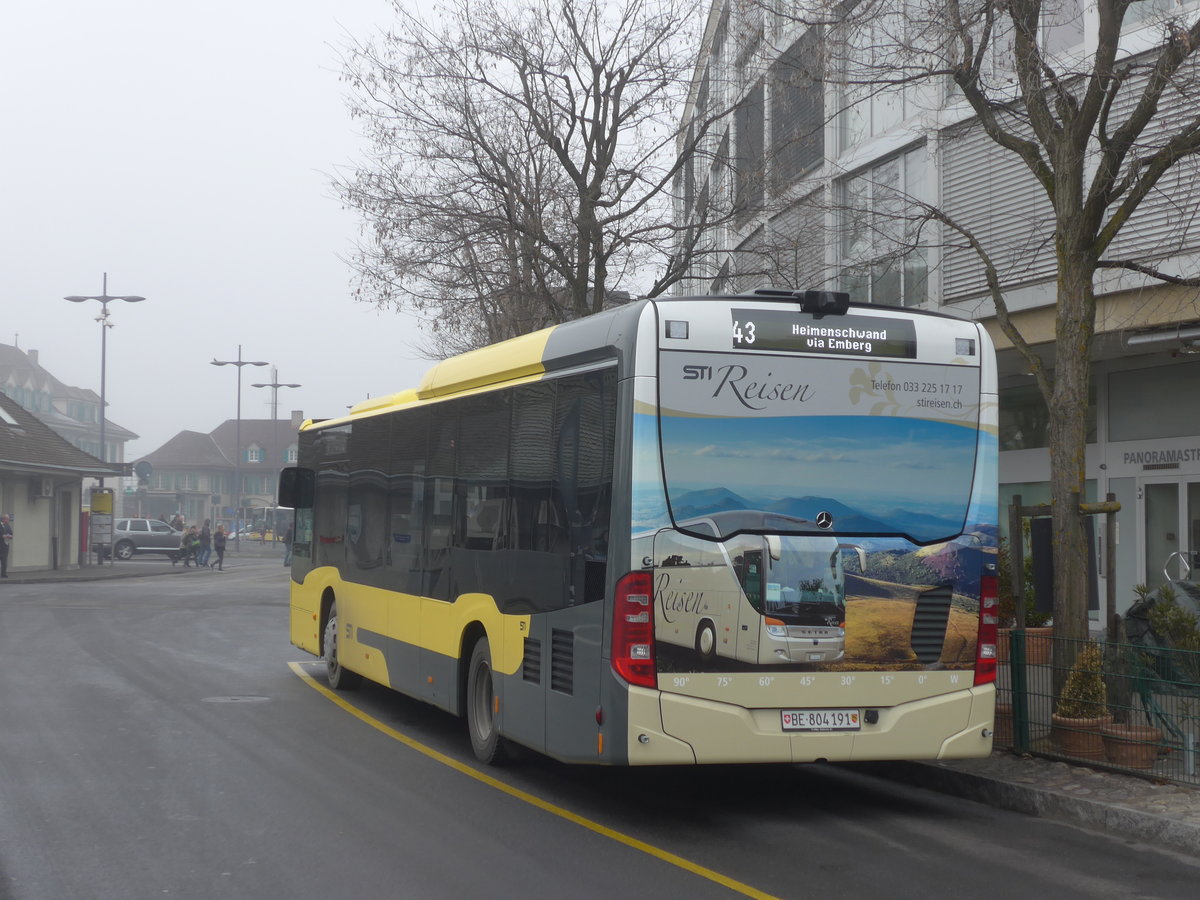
1149 723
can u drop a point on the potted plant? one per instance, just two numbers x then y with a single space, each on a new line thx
1082 708
1037 628
1126 743
1174 628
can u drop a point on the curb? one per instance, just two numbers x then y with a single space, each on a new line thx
1110 818
110 573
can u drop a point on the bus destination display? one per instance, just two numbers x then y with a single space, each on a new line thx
796 332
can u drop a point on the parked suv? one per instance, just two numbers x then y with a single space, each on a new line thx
132 536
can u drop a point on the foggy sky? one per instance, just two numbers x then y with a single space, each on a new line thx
187 151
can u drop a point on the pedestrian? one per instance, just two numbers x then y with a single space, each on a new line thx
287 546
189 545
218 542
205 550
6 536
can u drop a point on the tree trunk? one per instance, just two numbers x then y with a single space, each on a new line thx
1068 444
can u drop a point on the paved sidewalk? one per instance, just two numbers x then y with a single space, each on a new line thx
1161 814
142 566
1164 815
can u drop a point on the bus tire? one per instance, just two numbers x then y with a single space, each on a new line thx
489 747
706 641
340 678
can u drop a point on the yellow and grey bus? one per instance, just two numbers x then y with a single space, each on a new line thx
755 528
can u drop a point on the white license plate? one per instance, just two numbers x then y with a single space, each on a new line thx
821 719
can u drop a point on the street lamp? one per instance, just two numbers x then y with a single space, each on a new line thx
275 384
237 451
104 299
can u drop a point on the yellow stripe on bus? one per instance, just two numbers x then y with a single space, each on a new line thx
516 358
526 797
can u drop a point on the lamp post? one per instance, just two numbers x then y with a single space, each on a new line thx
237 452
104 299
275 384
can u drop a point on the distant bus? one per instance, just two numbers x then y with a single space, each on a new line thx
756 528
769 599
269 522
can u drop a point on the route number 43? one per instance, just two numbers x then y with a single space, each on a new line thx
743 332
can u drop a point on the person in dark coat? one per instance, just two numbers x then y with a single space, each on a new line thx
6 536
205 550
189 544
218 542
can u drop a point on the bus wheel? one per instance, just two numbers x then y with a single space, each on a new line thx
481 724
340 679
706 641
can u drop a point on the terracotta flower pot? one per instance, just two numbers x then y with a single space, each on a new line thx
1079 738
1132 746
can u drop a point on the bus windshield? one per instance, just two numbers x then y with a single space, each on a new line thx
790 576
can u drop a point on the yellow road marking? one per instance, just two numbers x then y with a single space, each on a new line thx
657 852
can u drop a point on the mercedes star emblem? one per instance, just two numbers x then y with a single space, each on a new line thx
824 520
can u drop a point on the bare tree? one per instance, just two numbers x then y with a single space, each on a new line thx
1099 124
523 159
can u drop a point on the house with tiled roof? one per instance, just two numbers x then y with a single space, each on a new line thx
193 474
72 412
41 485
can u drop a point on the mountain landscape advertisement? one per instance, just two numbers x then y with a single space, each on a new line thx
847 520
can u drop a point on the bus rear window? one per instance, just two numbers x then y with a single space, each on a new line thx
887 453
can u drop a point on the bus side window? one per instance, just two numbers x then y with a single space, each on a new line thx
585 424
481 493
439 500
331 449
367 515
329 525
406 504
532 580
531 462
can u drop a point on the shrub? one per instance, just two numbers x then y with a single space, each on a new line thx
1084 695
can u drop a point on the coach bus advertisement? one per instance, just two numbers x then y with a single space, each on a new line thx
814 512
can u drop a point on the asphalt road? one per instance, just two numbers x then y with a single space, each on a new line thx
159 737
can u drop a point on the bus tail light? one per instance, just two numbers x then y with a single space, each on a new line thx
989 621
633 630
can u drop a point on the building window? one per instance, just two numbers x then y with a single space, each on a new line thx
290 455
1062 25
797 112
1025 419
1144 404
749 163
255 455
870 101
882 254
1155 12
